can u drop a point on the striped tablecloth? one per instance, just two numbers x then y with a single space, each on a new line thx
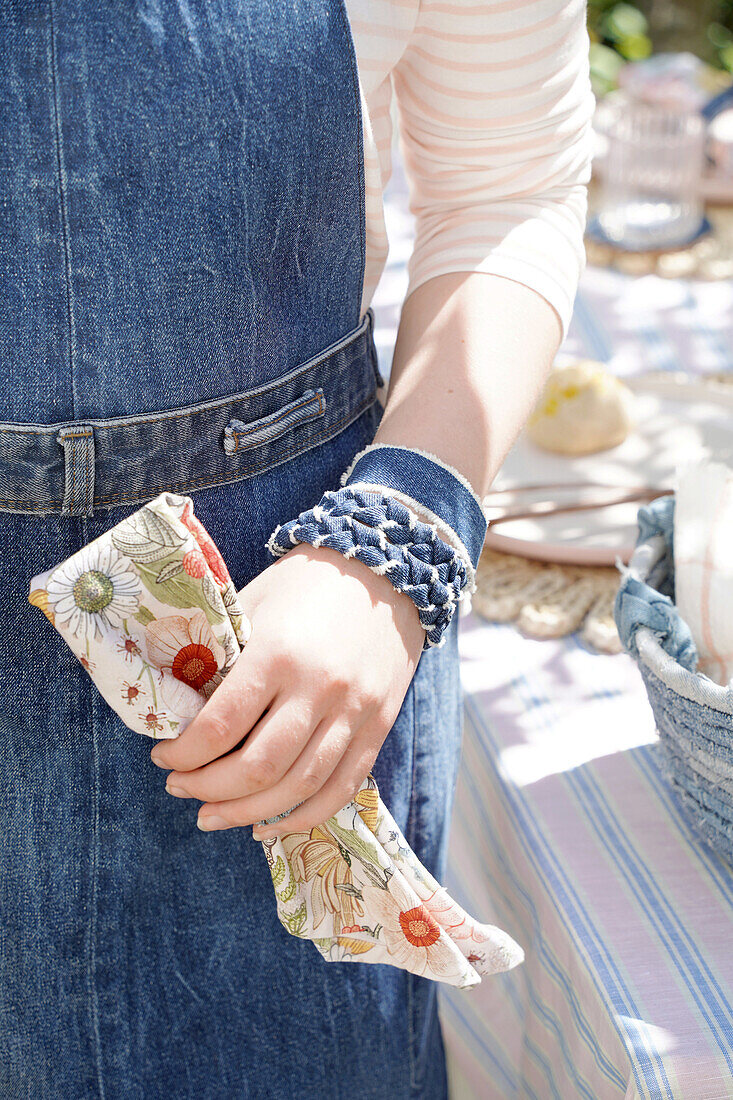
564 831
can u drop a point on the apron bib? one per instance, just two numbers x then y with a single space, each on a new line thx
181 262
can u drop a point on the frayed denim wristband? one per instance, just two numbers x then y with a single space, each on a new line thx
387 537
422 479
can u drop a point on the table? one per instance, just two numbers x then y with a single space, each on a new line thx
564 832
566 835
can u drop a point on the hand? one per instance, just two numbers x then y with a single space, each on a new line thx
305 709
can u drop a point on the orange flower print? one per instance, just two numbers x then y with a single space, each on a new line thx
187 649
194 563
130 692
208 547
128 646
153 720
419 927
410 934
317 857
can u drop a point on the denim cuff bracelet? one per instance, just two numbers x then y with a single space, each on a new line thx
423 481
386 536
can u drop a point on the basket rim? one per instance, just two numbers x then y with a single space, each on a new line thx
695 686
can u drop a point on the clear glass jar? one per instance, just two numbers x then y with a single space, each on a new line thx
651 170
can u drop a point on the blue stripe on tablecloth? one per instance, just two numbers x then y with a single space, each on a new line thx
503 1068
663 353
544 1064
673 935
572 778
600 345
713 338
549 964
647 1066
679 944
714 866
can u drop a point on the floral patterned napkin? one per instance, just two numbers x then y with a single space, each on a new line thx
151 612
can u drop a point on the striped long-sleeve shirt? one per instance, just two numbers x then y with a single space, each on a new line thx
494 107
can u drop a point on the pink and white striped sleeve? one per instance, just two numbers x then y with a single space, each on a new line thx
494 108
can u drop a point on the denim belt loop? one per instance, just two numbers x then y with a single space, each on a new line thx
78 443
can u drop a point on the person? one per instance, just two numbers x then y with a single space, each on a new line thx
191 231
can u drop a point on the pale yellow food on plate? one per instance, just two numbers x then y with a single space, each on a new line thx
582 409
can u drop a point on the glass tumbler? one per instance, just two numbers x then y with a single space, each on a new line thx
654 160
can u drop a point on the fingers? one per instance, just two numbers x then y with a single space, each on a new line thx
227 717
312 770
343 784
272 747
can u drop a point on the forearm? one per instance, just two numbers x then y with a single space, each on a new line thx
300 718
471 356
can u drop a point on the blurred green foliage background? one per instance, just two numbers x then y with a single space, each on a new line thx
621 31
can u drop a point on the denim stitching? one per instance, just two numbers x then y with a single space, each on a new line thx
68 497
72 454
108 424
290 408
228 478
252 471
72 486
89 474
254 426
354 74
94 884
63 211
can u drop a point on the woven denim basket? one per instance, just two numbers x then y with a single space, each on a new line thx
693 714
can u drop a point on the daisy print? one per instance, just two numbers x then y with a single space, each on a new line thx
93 592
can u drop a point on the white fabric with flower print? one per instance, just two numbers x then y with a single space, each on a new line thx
151 612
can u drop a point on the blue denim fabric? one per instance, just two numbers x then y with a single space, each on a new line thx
241 119
117 461
429 484
644 603
693 715
380 531
181 243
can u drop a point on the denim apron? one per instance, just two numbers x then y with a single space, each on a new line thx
181 263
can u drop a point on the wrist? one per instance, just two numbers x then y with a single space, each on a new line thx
386 536
392 605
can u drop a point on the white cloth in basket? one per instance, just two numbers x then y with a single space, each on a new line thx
703 563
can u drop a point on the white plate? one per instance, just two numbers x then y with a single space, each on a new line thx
679 419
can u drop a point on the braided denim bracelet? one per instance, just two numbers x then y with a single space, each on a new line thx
428 485
387 537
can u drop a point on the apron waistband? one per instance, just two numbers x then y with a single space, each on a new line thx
78 467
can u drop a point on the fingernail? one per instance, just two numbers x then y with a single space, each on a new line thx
207 824
158 763
177 791
268 834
